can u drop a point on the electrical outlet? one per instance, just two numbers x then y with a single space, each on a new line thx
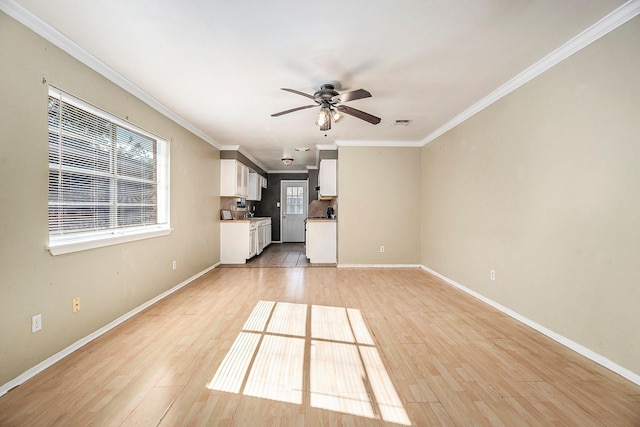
75 305
493 275
36 323
381 248
175 265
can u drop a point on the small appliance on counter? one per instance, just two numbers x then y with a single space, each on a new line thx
330 213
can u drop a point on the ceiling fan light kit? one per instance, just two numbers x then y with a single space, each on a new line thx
324 117
331 108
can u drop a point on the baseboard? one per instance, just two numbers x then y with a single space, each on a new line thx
379 266
578 348
30 373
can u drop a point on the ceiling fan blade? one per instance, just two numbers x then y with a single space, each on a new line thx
292 110
353 95
359 114
298 92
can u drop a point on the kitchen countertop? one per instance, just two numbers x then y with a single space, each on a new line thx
257 218
321 219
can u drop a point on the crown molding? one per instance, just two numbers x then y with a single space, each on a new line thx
46 31
379 143
326 147
624 13
287 171
253 159
239 149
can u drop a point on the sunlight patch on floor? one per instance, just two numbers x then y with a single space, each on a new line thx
330 323
233 369
288 319
257 321
277 381
346 373
338 379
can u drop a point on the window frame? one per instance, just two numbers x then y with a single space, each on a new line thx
84 240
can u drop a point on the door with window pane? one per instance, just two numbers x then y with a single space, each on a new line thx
294 203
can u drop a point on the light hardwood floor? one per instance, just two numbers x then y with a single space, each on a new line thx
322 346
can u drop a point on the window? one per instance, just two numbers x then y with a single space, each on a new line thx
295 198
108 180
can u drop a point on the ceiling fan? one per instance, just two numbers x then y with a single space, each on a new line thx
330 102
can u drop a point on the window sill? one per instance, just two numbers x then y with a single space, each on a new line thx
68 245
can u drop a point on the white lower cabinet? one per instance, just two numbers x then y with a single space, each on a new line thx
237 242
321 239
264 235
253 240
260 245
241 240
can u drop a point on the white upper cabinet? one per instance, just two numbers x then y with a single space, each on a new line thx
234 179
327 178
255 186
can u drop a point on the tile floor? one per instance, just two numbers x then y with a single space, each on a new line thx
279 255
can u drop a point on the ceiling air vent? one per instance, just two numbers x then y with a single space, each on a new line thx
398 123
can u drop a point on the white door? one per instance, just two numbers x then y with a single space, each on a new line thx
294 200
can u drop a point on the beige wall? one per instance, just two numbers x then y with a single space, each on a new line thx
378 204
544 187
110 281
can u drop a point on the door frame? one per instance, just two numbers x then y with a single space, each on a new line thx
306 201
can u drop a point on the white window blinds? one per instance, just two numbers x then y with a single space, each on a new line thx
105 175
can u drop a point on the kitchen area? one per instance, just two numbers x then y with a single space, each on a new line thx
253 210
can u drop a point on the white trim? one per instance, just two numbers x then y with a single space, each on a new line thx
578 348
74 242
331 147
68 98
379 143
283 183
46 31
379 266
253 159
241 150
114 237
30 373
607 24
286 171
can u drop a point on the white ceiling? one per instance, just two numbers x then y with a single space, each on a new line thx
220 64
